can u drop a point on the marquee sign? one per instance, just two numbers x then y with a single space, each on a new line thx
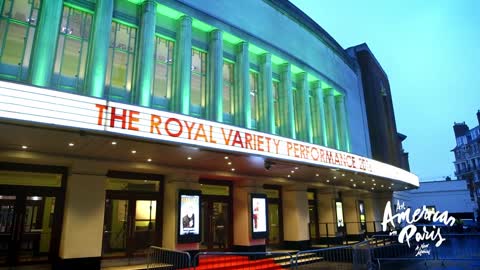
21 102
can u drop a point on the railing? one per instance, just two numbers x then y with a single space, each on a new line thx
165 259
325 258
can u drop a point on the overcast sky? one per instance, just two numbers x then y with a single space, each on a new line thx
430 51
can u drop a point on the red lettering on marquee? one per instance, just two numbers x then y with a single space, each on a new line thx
101 108
155 121
122 117
189 128
180 127
132 118
201 133
237 139
227 140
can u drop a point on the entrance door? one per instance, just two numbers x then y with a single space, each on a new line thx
215 223
130 225
273 224
27 220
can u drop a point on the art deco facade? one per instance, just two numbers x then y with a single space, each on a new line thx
111 109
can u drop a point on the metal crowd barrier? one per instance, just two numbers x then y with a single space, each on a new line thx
243 260
325 258
166 259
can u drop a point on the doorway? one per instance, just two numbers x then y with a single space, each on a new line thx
275 217
131 221
216 228
313 215
30 216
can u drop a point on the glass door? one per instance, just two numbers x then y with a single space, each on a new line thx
214 225
273 224
26 225
129 226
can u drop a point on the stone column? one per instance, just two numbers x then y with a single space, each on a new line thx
318 115
82 233
303 108
285 99
173 183
295 217
214 108
342 126
266 110
242 227
241 103
332 129
326 215
351 215
145 62
182 67
45 43
98 49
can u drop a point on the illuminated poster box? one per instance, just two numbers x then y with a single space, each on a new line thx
189 216
339 211
361 211
259 216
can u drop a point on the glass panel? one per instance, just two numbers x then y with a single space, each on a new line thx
311 195
295 112
219 224
272 193
215 190
254 91
273 224
133 185
163 73
228 84
30 179
120 61
115 228
72 49
204 230
312 224
145 214
14 44
37 229
7 215
198 80
276 105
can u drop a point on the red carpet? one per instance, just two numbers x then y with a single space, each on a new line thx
236 262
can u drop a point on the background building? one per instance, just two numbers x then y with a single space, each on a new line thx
467 158
114 115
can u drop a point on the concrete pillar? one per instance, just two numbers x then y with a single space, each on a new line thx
331 115
82 231
145 61
241 103
45 43
182 67
242 225
266 110
173 183
285 99
303 109
98 49
295 217
342 126
319 122
351 215
326 215
214 108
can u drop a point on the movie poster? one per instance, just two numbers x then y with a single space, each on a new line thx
339 207
189 223
361 211
259 220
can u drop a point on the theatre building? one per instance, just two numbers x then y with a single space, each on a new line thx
191 125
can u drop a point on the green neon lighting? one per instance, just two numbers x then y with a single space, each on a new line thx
256 50
296 70
277 60
202 26
136 2
311 78
125 23
325 85
78 8
231 38
168 12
